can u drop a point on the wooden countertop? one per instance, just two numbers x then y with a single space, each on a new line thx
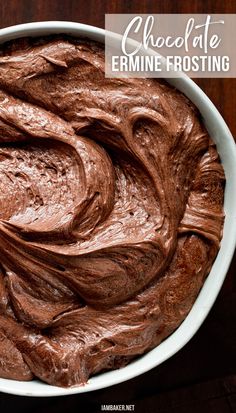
202 376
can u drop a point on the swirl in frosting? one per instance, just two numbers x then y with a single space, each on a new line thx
111 211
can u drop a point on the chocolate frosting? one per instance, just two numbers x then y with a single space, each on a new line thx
111 211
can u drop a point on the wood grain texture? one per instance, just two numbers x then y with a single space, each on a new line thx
202 376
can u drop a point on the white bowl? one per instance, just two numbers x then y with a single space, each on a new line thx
220 133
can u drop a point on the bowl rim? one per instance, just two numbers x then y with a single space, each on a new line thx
207 296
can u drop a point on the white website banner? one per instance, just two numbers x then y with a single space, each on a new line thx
162 45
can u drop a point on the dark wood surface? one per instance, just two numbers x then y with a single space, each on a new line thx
202 376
